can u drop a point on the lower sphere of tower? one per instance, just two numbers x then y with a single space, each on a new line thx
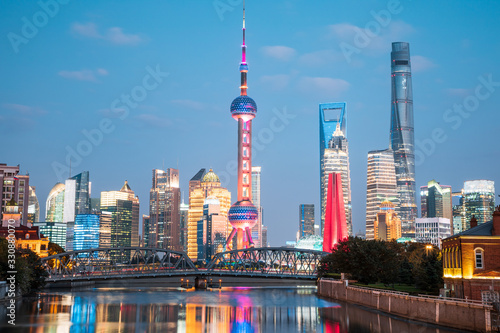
243 214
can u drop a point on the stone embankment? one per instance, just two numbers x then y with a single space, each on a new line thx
472 316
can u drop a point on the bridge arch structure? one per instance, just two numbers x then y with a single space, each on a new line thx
108 263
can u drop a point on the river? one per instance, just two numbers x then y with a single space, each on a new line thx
238 309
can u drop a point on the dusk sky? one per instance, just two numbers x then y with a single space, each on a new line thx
66 76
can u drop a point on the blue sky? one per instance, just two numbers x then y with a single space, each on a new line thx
70 72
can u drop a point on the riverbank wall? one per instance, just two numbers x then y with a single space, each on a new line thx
456 314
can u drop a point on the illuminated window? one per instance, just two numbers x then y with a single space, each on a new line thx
479 258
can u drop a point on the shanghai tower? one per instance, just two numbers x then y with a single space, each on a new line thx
402 134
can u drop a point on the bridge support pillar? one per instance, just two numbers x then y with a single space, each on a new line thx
200 283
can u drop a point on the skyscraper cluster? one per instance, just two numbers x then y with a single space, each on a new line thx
391 177
391 172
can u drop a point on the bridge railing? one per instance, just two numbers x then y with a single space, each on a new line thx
116 261
268 261
123 261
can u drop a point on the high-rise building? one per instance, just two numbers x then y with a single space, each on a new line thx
478 201
76 196
435 201
184 225
334 155
54 206
265 243
380 185
458 217
387 224
33 207
123 206
207 186
145 231
14 186
212 230
105 223
86 232
243 215
164 210
432 230
257 229
335 223
306 220
402 134
95 205
54 231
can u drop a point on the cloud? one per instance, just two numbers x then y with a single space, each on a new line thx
323 86
421 63
461 92
189 104
24 109
369 41
320 58
114 35
151 120
86 29
84 74
276 82
279 52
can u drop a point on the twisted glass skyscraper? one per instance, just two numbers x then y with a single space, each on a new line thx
402 134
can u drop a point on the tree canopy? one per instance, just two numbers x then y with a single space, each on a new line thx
373 261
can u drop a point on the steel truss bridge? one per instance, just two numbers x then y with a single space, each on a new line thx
142 262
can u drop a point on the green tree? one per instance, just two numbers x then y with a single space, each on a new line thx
30 273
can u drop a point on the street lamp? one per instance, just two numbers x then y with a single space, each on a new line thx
427 248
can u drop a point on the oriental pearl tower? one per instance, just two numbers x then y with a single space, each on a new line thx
243 214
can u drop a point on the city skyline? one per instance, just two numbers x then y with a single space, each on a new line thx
48 103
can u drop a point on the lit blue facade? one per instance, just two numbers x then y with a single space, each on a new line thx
86 234
54 231
402 134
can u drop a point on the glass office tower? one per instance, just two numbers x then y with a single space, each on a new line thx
380 186
86 232
478 201
257 228
334 155
402 134
54 206
306 220
435 201
164 210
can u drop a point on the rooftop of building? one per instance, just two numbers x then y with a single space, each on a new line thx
210 177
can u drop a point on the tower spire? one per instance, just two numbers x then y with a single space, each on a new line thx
243 65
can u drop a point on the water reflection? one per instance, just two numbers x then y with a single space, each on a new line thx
173 310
